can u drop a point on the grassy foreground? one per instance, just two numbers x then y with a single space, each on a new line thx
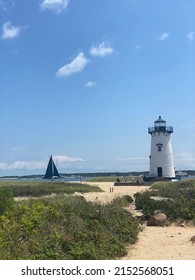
36 189
64 227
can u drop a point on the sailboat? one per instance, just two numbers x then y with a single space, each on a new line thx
51 171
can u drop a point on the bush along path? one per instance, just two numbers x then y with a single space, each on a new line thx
65 227
175 199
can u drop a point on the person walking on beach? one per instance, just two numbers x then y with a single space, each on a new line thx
81 179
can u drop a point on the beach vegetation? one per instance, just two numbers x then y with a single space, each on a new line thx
41 188
175 199
65 227
123 201
6 200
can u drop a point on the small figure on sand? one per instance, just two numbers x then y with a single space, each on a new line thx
81 179
111 189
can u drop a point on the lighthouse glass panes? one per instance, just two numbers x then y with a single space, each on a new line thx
161 156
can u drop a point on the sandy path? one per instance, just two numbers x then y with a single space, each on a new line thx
108 196
163 243
154 243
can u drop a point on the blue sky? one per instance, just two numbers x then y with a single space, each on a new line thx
83 81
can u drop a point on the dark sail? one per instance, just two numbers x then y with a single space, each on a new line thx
51 170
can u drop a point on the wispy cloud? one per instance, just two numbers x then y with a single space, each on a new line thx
19 149
90 84
190 36
29 165
63 159
164 36
131 158
76 65
10 31
6 5
103 49
42 164
56 6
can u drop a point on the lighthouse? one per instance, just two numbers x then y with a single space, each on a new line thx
161 155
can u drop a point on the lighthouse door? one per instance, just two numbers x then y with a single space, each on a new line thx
159 170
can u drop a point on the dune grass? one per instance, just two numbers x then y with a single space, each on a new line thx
37 189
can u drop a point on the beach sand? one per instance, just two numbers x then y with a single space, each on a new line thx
154 243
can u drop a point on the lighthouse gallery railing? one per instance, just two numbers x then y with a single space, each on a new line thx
168 129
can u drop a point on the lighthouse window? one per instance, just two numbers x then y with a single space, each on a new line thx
159 146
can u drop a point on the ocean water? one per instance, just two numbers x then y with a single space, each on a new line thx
188 177
63 179
39 179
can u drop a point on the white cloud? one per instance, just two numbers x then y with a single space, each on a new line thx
103 49
131 158
23 165
90 84
57 6
163 36
77 65
10 31
190 36
30 165
3 165
62 159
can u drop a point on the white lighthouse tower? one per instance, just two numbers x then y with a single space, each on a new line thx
161 156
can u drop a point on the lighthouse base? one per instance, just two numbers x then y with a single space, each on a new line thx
159 179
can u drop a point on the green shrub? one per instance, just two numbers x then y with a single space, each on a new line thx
179 202
6 200
123 201
65 228
128 198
